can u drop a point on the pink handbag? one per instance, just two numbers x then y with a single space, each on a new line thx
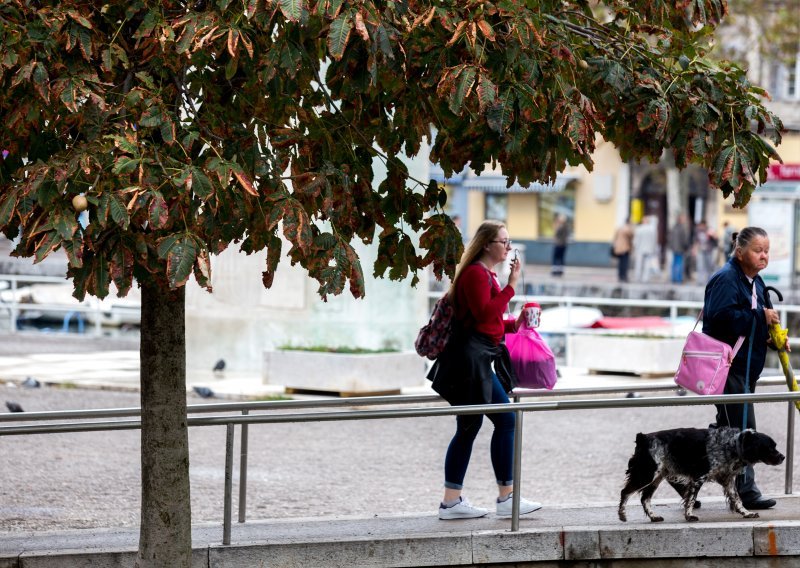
705 363
532 359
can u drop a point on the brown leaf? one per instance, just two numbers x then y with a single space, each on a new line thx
245 182
233 43
361 28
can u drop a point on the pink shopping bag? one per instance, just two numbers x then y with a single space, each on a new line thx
532 359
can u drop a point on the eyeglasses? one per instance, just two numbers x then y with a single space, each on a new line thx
505 242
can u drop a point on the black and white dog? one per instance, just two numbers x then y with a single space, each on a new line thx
688 457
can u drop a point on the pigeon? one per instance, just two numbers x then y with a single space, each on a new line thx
204 392
13 406
219 366
31 383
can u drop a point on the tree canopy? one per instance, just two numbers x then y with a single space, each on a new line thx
189 126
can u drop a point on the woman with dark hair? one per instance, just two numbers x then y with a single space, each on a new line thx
475 368
736 305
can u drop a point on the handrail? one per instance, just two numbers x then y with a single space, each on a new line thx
414 412
519 408
275 405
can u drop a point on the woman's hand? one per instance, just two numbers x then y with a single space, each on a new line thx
520 319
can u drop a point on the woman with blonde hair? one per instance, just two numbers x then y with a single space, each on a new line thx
475 368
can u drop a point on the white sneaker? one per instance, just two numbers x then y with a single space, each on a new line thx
461 510
525 507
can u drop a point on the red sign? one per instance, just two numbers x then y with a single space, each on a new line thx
783 172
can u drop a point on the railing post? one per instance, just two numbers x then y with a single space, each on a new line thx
14 311
243 470
226 521
517 467
789 448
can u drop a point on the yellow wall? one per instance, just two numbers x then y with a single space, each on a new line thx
523 215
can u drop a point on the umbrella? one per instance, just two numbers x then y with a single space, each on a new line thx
779 337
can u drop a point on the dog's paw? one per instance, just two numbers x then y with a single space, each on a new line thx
623 517
750 515
656 519
692 518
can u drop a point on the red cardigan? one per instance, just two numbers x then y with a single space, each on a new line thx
480 303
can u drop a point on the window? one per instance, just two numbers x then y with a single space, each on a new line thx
497 207
788 81
553 204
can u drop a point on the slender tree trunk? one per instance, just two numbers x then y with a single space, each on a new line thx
165 538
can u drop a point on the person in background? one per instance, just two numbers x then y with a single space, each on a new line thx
475 368
679 244
560 238
622 245
645 248
727 244
705 250
734 305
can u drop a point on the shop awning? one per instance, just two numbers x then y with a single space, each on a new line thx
497 184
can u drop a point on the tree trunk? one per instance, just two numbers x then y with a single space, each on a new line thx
165 537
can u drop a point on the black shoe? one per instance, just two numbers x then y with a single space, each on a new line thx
760 504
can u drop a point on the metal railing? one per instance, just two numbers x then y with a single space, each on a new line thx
559 400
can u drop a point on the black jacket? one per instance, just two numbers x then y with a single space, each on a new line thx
727 315
462 374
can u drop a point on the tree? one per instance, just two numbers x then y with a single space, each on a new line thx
192 126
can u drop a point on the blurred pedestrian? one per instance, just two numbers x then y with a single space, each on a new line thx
645 249
560 238
679 244
705 250
622 245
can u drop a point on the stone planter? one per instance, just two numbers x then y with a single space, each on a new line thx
343 373
654 356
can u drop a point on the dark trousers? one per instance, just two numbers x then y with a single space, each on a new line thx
623 263
502 445
559 251
733 415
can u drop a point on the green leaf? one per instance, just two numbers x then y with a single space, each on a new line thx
180 261
463 87
66 224
100 277
47 244
201 185
292 10
125 165
157 211
7 205
339 35
501 114
118 212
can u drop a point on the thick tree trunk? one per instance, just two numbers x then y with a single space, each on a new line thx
165 538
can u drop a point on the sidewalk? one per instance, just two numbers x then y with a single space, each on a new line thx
556 534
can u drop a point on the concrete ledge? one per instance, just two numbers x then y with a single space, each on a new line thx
674 540
554 536
525 545
450 550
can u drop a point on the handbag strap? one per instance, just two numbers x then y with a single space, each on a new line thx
747 374
736 346
753 305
